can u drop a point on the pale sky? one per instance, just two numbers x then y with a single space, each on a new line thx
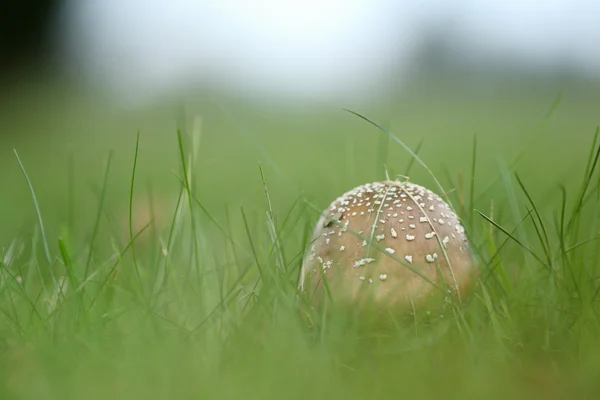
307 48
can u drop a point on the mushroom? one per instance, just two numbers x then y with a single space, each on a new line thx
398 241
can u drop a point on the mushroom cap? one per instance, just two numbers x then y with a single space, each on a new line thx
396 242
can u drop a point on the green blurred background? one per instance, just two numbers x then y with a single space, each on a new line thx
64 138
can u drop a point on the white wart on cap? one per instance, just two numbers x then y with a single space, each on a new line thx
397 240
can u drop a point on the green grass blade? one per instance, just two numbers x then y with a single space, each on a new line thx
37 209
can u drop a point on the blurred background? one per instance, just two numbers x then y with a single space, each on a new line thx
265 81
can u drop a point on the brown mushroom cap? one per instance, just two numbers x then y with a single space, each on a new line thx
397 241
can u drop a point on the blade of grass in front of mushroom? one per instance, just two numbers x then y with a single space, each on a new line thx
440 244
408 149
374 226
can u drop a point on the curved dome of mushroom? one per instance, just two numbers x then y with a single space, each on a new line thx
398 241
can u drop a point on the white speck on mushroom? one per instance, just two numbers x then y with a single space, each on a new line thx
327 240
320 260
412 226
423 219
429 235
431 257
390 250
445 241
363 261
382 221
409 208
380 237
410 237
394 233
383 277
408 258
441 221
370 280
364 243
362 278
431 208
342 248
401 220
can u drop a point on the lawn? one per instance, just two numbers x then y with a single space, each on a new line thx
173 239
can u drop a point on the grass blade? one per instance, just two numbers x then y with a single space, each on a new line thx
37 209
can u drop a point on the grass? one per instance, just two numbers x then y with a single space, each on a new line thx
197 295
